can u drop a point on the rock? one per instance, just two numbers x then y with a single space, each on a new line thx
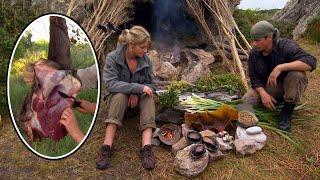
213 156
88 77
253 130
242 134
227 138
188 166
167 71
170 116
155 141
260 138
155 59
185 129
298 12
222 133
198 64
208 133
156 133
181 144
245 147
224 146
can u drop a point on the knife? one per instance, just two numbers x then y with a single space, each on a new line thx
76 102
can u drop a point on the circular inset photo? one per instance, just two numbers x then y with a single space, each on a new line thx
53 86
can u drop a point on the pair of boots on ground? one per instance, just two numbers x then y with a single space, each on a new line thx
146 155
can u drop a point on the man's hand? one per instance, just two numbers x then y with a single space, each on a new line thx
87 107
69 121
272 80
268 101
133 101
147 90
28 74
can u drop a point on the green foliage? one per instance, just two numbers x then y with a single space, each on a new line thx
226 81
24 43
312 33
13 18
247 18
170 98
3 100
82 56
207 83
181 86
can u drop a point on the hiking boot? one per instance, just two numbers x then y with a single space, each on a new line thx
104 157
285 117
147 157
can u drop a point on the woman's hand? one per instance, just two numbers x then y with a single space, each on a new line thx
69 121
147 90
133 101
87 107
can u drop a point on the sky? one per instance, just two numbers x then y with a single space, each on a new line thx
262 4
40 29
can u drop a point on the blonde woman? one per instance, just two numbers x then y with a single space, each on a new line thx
129 80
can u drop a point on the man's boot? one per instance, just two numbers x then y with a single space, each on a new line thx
147 157
285 117
104 157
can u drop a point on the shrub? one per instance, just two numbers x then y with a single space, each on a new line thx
312 33
227 81
245 19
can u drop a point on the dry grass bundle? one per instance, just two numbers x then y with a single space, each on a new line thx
117 12
226 26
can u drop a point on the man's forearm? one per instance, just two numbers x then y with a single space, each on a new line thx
260 90
294 66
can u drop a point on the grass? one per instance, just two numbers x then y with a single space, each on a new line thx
278 160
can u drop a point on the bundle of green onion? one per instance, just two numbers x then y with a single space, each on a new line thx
196 104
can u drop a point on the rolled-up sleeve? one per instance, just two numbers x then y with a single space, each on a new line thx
294 52
111 79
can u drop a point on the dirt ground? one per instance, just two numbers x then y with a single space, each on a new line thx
278 160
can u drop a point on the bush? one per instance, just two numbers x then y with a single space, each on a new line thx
245 19
228 81
312 33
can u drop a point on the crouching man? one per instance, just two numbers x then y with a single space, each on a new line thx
277 71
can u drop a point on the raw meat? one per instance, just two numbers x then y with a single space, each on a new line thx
43 106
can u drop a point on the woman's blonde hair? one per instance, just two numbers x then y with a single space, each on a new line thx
134 35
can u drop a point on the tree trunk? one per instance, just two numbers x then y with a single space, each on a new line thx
59 44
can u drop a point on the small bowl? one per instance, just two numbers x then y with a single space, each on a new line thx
169 134
197 151
194 137
211 144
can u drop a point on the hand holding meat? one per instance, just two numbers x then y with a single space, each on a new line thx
87 107
69 121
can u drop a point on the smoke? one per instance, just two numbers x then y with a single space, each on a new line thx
172 20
